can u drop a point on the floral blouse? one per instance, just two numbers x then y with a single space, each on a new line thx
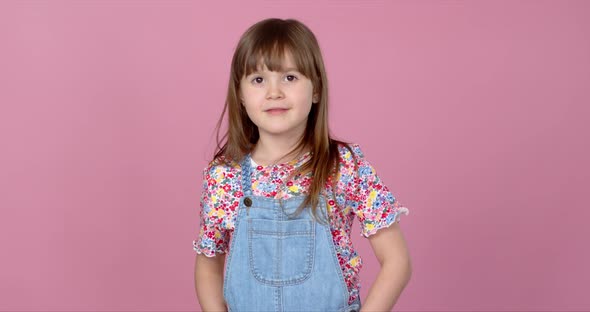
361 194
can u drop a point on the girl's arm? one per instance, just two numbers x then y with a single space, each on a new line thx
209 282
390 249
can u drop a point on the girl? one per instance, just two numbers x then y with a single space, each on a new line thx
280 195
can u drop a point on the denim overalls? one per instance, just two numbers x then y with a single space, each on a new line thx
277 263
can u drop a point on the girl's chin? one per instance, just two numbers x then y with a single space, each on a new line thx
276 131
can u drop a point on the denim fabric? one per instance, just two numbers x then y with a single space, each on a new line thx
280 262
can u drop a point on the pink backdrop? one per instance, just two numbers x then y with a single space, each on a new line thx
475 114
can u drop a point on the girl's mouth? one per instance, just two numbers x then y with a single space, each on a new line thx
276 111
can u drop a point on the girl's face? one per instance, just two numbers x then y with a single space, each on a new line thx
278 103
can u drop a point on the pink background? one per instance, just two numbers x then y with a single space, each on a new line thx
474 113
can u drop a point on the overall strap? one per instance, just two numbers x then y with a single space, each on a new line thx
246 175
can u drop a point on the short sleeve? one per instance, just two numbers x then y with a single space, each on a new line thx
372 202
213 238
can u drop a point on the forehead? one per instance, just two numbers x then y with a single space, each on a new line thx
285 66
275 63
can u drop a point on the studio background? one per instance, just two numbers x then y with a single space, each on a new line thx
474 113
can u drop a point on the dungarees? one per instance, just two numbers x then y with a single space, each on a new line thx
277 263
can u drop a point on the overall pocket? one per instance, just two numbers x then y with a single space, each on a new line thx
281 252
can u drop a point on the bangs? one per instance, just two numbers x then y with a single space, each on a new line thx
274 55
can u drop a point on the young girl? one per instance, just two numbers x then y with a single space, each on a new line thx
280 196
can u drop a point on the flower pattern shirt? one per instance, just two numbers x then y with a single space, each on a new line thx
359 194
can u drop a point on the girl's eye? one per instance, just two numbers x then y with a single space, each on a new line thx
260 79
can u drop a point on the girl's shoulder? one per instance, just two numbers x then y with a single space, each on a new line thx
350 152
353 162
219 169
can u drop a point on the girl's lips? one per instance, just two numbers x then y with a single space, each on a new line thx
276 111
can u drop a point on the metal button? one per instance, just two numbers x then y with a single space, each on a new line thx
248 201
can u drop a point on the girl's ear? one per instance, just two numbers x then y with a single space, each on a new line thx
315 99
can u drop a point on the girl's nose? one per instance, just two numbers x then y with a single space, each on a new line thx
274 91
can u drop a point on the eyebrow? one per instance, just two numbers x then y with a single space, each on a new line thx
285 70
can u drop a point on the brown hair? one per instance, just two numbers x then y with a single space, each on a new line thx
268 40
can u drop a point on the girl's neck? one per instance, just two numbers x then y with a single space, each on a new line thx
264 155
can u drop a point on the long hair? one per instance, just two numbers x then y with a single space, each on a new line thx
268 40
